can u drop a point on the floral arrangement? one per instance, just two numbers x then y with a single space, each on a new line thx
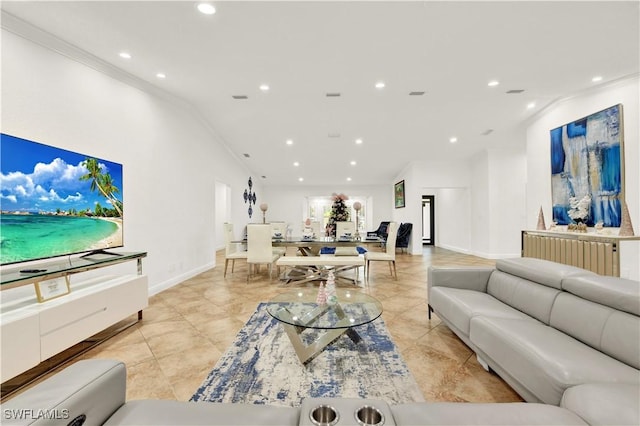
579 212
579 208
339 213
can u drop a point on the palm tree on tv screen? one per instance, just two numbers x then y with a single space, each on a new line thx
103 182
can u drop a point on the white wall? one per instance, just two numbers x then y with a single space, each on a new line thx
449 182
507 185
171 160
538 153
287 203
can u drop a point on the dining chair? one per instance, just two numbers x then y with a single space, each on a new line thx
279 229
343 228
318 229
232 250
389 255
260 248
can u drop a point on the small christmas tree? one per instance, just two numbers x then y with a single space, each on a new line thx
322 295
339 213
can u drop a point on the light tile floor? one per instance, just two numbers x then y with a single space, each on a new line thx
187 328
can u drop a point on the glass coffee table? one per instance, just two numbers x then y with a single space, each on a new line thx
298 311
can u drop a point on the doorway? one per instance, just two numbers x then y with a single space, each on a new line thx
428 220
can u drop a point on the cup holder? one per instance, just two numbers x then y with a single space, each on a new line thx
324 415
369 416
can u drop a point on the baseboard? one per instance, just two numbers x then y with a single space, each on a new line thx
494 256
454 248
157 288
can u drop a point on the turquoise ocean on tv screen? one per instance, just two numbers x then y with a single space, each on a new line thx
24 237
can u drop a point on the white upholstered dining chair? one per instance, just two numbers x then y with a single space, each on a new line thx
279 228
343 228
232 251
389 255
259 247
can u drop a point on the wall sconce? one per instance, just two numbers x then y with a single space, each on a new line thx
357 206
264 207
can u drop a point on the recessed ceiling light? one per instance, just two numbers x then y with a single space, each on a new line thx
348 179
264 87
300 179
289 142
358 141
353 163
380 85
206 8
597 78
161 75
453 139
295 163
125 55
531 105
493 83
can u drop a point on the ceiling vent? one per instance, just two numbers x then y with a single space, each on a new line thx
514 91
333 95
246 155
416 93
240 97
487 132
334 135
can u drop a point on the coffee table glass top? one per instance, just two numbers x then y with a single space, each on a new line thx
299 308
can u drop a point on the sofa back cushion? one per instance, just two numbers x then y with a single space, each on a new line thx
526 296
608 330
541 271
618 293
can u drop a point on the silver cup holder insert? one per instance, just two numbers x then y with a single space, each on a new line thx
324 415
369 416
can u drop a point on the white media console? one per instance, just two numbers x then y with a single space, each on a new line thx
33 331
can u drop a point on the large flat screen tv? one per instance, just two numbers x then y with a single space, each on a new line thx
56 202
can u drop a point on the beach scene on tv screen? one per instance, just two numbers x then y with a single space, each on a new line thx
56 202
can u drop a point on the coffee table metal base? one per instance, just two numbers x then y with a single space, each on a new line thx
307 352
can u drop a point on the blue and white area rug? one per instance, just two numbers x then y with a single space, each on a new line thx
261 367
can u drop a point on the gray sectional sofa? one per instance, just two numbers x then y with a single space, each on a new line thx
557 334
92 392
566 340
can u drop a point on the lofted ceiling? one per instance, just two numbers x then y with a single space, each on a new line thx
304 50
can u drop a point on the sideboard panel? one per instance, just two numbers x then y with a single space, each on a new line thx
594 252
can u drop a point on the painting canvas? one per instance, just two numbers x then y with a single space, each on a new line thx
586 162
399 194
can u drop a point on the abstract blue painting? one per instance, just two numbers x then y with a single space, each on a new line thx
586 161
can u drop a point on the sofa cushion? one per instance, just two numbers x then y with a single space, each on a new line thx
541 271
544 360
618 293
531 298
88 389
458 306
458 413
610 331
604 403
163 412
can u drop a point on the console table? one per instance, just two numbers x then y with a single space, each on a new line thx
599 253
39 334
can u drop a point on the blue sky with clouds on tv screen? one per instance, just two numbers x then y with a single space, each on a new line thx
39 178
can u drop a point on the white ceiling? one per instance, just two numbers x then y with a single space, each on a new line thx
304 49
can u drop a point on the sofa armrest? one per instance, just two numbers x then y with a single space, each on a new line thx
604 403
93 388
473 278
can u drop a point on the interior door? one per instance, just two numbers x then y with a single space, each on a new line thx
428 220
